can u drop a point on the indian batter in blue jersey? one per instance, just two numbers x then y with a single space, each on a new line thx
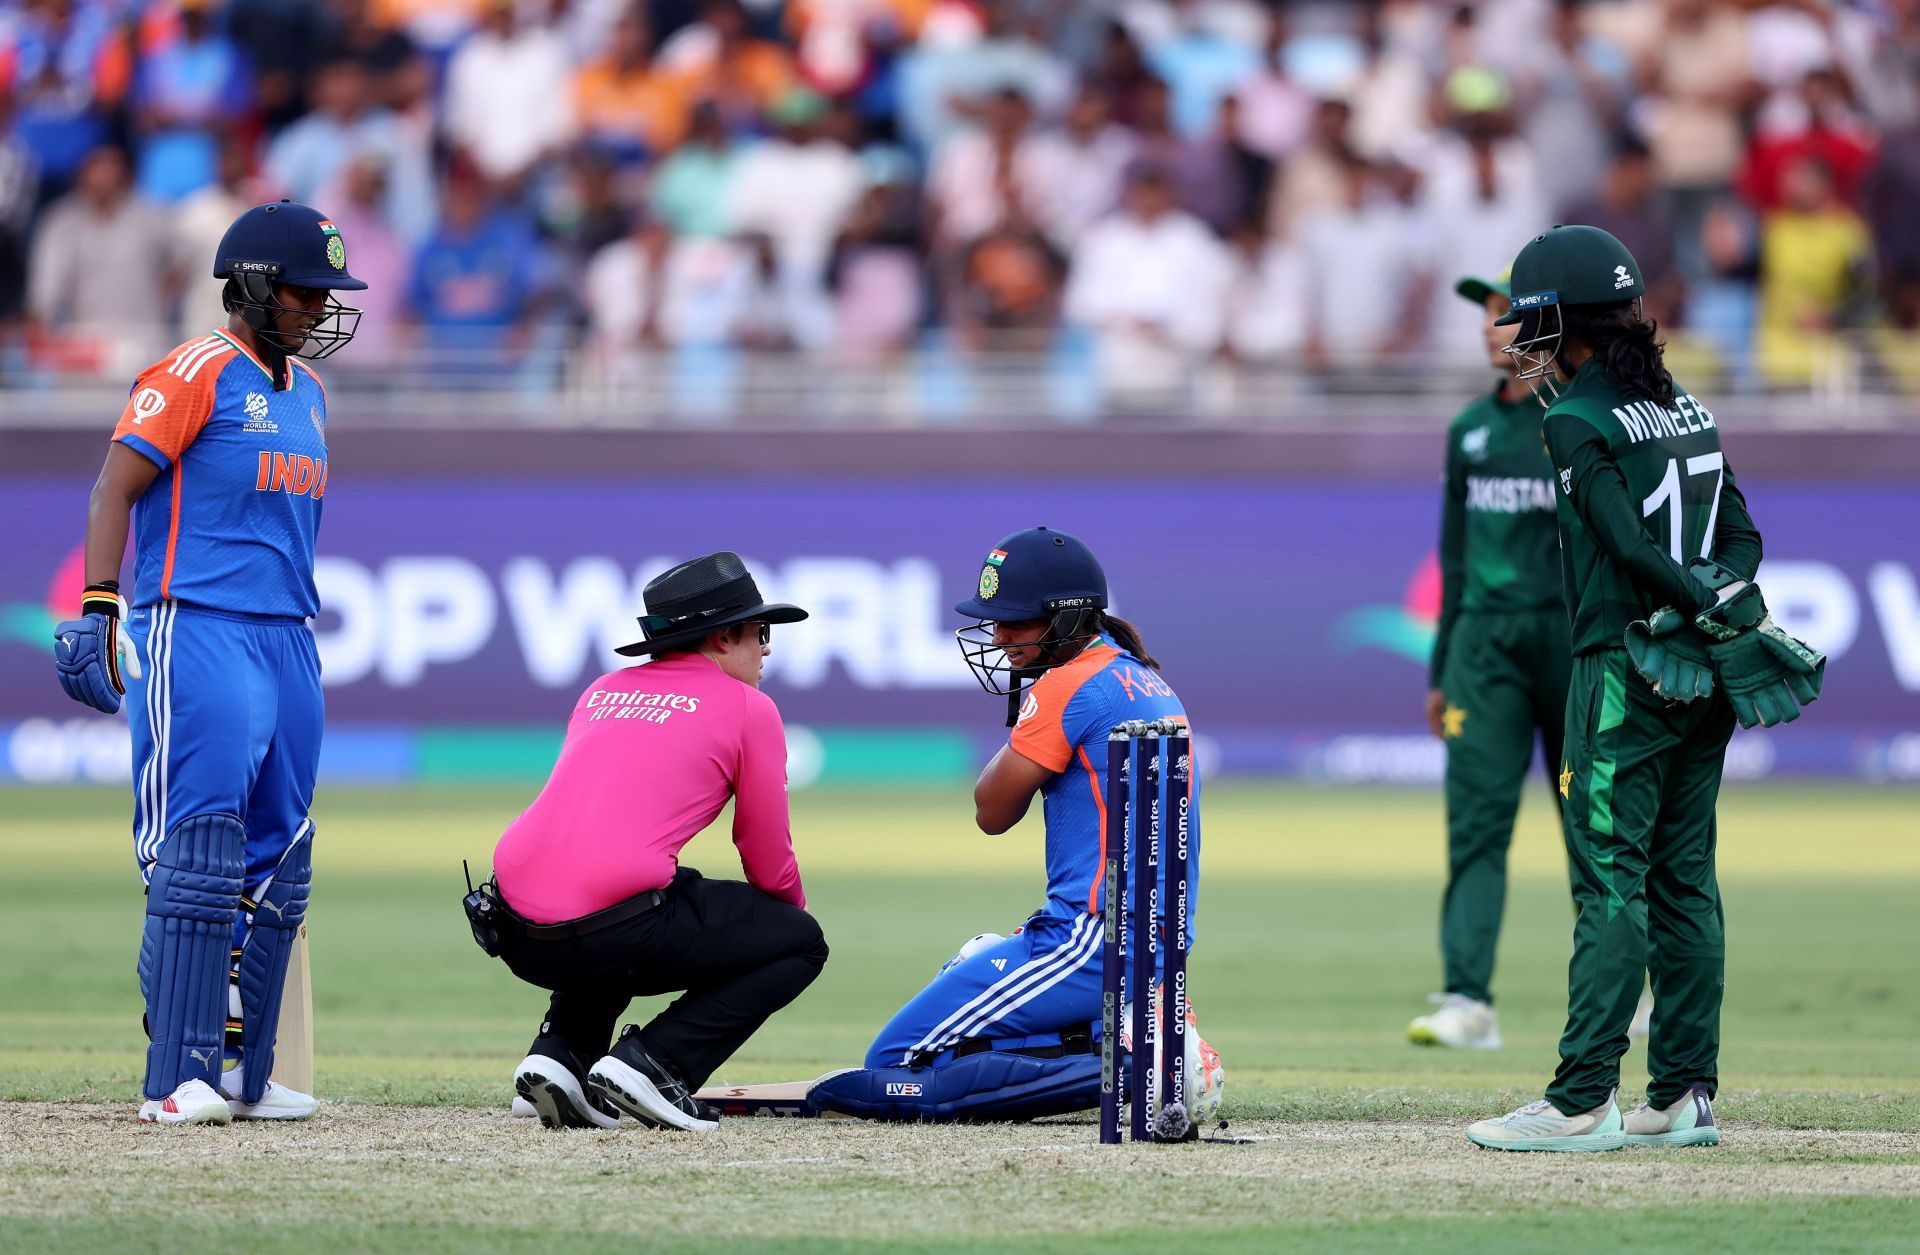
1008 1030
219 463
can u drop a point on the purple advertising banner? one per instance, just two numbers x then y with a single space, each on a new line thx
1293 617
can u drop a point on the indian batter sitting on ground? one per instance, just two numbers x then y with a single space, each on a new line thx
220 459
599 911
1006 1031
1499 670
1672 645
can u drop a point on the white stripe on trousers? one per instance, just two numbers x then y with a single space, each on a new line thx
1003 987
300 834
164 759
143 793
152 795
1015 989
1085 949
143 787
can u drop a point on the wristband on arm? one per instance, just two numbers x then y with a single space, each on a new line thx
103 598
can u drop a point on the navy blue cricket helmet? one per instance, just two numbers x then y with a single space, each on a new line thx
286 242
1035 574
1031 576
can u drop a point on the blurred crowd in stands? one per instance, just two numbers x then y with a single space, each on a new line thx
1151 182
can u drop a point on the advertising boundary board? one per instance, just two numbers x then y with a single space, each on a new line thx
464 614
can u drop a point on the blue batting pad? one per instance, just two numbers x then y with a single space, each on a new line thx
192 899
991 1085
263 962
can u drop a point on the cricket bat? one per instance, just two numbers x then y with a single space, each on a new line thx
785 1100
293 1043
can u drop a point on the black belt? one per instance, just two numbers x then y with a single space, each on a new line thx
618 913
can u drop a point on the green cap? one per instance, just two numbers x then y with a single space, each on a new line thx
1478 290
797 107
1572 265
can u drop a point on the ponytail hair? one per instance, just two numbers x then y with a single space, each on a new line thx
1627 343
1126 636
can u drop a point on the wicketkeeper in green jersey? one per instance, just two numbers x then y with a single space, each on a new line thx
1672 645
1499 672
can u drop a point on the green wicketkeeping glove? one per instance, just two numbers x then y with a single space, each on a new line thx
1737 606
1671 655
1766 674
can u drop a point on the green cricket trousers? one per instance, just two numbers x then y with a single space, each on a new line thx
1505 681
1640 783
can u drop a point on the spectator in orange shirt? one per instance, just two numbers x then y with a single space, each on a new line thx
721 61
628 105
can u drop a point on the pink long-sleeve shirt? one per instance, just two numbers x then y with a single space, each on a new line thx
652 754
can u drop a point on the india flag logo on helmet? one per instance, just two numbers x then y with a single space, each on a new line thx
336 247
997 557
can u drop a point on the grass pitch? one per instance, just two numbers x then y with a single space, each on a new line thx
1316 922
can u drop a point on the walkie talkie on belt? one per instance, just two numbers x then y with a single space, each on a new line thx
485 913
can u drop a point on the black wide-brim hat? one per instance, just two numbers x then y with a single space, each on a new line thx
697 598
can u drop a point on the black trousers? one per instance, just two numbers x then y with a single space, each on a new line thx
738 954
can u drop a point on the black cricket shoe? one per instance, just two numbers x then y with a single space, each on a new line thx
551 1078
647 1089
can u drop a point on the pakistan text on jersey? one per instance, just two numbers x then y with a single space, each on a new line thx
1508 494
291 472
1644 420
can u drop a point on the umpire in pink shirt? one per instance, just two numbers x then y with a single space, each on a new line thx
599 909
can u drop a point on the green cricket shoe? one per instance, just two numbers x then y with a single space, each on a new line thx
1688 1122
1542 1126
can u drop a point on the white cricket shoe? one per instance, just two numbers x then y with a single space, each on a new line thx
278 1103
193 1102
555 1094
1688 1122
1642 1016
1461 1022
1541 1126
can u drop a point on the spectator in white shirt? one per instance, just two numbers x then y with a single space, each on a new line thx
508 97
651 289
1480 197
1363 260
622 290
1089 160
1150 284
986 175
1268 305
1276 113
199 222
102 228
796 188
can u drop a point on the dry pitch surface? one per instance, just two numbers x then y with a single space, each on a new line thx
372 1176
1318 943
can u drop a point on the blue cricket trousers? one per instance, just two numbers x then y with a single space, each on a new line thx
226 718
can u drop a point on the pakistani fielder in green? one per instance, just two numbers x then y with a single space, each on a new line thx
1499 672
1672 644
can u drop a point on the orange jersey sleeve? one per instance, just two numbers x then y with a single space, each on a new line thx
172 400
1042 734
